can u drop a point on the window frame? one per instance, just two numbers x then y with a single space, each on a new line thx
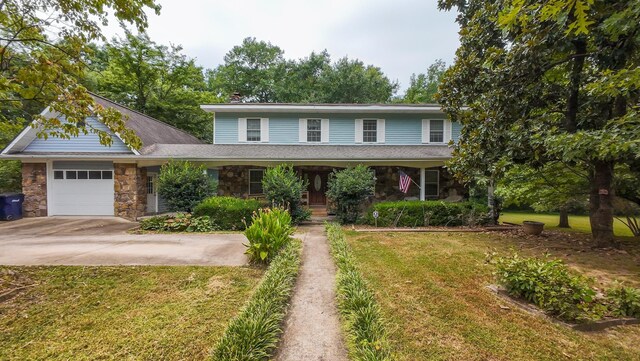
446 131
259 130
441 132
77 171
437 183
262 170
318 131
365 131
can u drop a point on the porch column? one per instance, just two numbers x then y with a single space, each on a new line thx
422 180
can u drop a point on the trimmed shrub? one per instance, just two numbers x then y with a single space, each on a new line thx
269 231
364 325
183 185
283 188
227 213
348 189
428 213
551 286
181 222
254 333
624 301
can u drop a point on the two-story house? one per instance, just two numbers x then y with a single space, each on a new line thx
78 176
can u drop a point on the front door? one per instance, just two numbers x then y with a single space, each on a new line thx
318 188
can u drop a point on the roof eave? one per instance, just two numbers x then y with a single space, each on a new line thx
342 109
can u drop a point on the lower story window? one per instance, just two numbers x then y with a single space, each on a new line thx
255 181
431 183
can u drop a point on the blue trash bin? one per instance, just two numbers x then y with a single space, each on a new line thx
11 206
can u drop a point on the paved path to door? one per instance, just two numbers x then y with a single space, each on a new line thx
105 241
312 329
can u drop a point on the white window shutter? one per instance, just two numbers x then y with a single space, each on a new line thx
358 131
325 131
425 130
242 129
447 131
380 130
302 130
264 130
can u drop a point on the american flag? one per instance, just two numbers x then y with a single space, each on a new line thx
405 182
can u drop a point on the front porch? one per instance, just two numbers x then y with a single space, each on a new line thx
244 181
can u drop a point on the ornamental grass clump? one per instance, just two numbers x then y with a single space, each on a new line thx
254 334
361 314
270 230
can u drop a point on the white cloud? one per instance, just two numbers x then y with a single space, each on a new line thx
401 37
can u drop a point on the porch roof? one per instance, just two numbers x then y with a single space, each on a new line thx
297 152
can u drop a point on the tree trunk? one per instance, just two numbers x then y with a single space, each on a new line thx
491 202
601 204
564 219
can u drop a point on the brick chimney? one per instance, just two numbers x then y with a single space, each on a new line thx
235 98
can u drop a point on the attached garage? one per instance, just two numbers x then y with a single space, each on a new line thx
81 188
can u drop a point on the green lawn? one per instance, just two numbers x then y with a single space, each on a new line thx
116 313
431 287
577 223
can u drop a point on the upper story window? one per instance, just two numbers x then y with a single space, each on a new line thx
369 130
253 130
314 130
436 131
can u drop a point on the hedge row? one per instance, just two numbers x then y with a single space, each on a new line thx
254 333
228 213
366 331
427 213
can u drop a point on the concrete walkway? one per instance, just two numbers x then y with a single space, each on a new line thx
312 329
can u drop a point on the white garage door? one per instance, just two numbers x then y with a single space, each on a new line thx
82 191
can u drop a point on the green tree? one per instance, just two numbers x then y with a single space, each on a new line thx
10 171
350 81
283 188
183 185
423 87
154 79
349 189
552 188
554 81
43 47
260 73
253 69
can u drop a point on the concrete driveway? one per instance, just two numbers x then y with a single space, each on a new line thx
105 241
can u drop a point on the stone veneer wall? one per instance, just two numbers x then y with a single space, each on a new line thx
130 183
234 181
34 187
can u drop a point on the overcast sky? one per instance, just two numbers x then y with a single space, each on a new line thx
399 36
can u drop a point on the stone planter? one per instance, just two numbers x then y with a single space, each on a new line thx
533 227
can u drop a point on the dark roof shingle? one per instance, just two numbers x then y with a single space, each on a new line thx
148 129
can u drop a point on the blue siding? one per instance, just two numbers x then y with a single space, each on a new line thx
226 129
341 130
455 131
82 143
403 131
283 128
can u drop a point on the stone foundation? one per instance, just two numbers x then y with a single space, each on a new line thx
130 183
34 187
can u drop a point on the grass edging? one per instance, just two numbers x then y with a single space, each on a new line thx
361 314
254 333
